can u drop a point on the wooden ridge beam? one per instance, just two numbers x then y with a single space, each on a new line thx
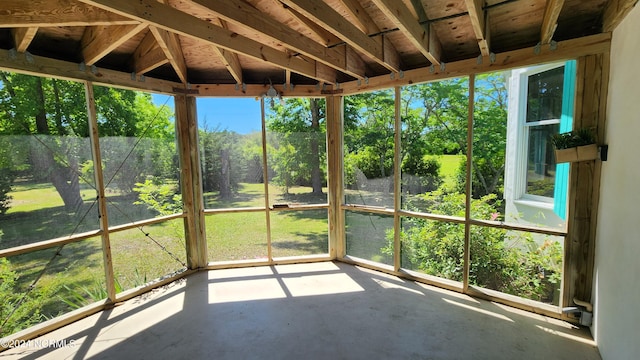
22 37
550 20
401 16
614 12
148 55
49 13
230 59
480 24
170 44
244 15
173 20
98 41
332 21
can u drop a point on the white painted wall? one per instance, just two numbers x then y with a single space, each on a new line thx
617 270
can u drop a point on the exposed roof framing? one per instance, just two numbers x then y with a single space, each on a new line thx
248 44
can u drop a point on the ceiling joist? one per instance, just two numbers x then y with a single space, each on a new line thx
148 55
614 12
229 59
170 44
170 19
22 37
326 38
550 20
401 16
331 20
48 13
245 15
98 41
480 24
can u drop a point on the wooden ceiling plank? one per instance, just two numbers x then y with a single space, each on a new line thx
550 20
48 13
242 14
229 59
477 16
327 37
22 37
364 21
148 55
170 44
98 41
331 20
402 17
614 12
170 19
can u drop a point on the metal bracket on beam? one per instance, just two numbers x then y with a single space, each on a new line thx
29 57
492 57
537 49
142 78
133 76
479 60
401 74
94 69
13 54
392 75
443 66
366 80
83 67
432 69
553 45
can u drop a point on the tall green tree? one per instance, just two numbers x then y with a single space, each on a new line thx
299 129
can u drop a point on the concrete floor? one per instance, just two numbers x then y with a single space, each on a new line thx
312 311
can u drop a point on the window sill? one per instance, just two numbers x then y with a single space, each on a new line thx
534 203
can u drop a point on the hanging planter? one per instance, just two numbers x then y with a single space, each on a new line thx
573 146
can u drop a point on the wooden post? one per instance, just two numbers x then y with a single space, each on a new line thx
590 111
191 181
265 175
468 187
102 200
397 182
335 156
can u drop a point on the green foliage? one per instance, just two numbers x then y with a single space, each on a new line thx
222 160
420 174
508 261
14 317
579 137
160 196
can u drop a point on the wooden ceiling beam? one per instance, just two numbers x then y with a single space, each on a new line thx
550 20
98 41
325 36
148 55
480 24
170 19
22 37
244 15
421 38
229 59
170 44
614 12
363 20
331 20
48 13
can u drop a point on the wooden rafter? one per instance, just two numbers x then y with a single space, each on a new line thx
242 14
22 37
170 44
170 19
98 41
420 37
230 59
480 25
148 55
614 12
550 20
47 13
326 37
331 20
364 21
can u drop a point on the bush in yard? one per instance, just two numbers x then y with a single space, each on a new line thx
508 261
161 197
420 173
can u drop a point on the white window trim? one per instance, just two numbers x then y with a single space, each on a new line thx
520 174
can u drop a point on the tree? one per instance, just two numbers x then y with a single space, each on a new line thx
299 128
53 114
222 160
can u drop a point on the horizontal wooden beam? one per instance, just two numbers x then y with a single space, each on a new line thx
173 20
242 14
42 66
332 21
568 49
47 13
237 90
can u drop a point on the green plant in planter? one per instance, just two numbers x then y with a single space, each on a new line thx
579 137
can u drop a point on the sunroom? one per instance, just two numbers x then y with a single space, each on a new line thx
204 162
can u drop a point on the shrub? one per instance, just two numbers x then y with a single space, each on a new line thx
161 197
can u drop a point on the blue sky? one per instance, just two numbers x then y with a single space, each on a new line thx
241 115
